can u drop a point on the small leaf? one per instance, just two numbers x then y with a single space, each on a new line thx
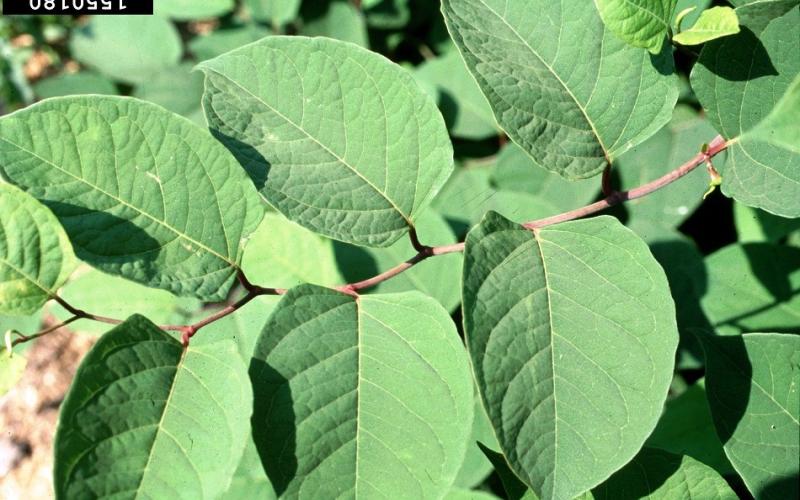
188 10
104 43
35 254
515 489
739 80
641 23
146 417
546 315
360 397
85 82
476 467
682 15
753 287
713 23
562 86
752 383
276 12
218 42
12 367
356 160
339 19
141 192
655 474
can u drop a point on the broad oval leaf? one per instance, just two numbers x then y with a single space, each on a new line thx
739 80
360 397
146 417
752 382
141 192
337 138
35 254
641 23
561 85
547 316
655 474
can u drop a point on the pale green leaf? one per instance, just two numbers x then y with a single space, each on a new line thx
655 474
35 254
250 481
476 467
752 382
753 287
698 6
141 192
739 80
686 428
127 48
464 107
360 397
561 85
85 82
23 324
780 128
754 225
12 367
187 10
464 197
218 42
641 23
145 417
356 159
713 23
465 494
276 12
338 19
546 315
115 297
177 89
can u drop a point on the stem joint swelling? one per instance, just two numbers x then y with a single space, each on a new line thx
612 197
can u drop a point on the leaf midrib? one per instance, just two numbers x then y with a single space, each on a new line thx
124 203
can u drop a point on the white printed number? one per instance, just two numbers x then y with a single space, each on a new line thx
78 5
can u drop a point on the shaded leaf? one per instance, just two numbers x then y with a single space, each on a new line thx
754 225
85 82
218 42
641 23
356 161
178 89
340 20
187 10
145 416
476 467
515 489
713 23
276 12
141 192
35 254
546 314
561 85
360 396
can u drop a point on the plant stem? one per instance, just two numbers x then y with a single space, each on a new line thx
423 252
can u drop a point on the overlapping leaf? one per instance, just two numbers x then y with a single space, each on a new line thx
546 316
141 192
562 86
360 397
739 80
712 24
146 417
337 138
35 254
641 23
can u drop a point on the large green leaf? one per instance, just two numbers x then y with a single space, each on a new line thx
147 418
656 474
753 287
739 80
360 397
713 23
547 315
186 10
337 138
641 23
127 48
566 89
753 224
752 383
35 254
141 192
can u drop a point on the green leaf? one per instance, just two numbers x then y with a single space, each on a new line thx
465 494
283 254
178 89
656 474
250 480
753 287
356 160
464 107
337 19
516 171
105 43
739 80
752 385
85 82
23 324
641 23
562 86
713 23
753 225
12 367
686 428
116 297
218 42
464 198
360 397
780 127
187 10
35 254
146 417
514 488
476 467
277 12
141 192
546 316
697 6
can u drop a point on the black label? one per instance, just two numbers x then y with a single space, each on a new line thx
77 7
